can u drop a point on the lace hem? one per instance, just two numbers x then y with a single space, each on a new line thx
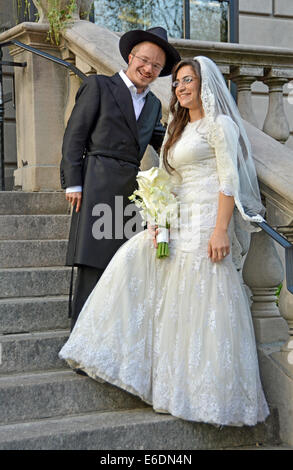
101 377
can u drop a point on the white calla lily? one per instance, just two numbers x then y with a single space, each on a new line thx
157 202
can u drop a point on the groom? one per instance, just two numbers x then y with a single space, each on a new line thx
112 122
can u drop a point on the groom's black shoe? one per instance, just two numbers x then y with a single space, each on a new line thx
80 371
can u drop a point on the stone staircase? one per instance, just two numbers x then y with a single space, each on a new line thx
43 404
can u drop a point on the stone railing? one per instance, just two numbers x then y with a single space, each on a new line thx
45 97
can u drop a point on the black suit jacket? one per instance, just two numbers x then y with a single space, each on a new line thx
102 149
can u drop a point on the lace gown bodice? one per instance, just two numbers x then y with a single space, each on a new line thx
194 160
195 149
196 184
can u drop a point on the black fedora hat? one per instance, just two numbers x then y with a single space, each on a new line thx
157 35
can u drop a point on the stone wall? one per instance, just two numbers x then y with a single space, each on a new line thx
7 20
268 23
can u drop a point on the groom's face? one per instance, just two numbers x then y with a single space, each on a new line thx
146 62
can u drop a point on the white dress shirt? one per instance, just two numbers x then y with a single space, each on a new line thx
138 100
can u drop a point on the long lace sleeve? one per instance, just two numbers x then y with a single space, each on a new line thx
226 143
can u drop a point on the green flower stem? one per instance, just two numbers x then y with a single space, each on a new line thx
163 248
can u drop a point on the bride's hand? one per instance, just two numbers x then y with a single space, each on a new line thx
219 245
153 231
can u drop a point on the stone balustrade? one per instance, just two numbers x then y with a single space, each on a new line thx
264 267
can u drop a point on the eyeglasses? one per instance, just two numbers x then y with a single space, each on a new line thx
157 68
185 80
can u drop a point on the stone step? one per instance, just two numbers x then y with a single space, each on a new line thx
34 227
32 351
31 253
129 430
261 446
31 396
20 202
34 282
25 315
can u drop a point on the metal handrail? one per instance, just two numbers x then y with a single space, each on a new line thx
45 55
33 50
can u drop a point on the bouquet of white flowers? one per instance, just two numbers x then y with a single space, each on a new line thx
157 203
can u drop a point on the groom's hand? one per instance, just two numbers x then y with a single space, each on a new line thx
74 198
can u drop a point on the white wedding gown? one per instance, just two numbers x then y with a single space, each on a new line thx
177 332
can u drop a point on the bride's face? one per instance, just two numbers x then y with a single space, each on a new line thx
188 88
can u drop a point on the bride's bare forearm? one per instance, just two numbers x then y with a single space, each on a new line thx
225 211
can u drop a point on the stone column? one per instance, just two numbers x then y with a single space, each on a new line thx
244 77
263 272
40 104
276 123
286 306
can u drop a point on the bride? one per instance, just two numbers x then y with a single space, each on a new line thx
177 332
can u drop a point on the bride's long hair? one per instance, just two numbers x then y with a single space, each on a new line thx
217 100
180 114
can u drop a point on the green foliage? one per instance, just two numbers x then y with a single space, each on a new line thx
59 19
278 291
27 5
22 10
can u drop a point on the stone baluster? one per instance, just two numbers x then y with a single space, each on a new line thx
263 272
286 304
85 7
276 123
244 77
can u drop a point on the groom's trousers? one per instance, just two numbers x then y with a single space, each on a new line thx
86 279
